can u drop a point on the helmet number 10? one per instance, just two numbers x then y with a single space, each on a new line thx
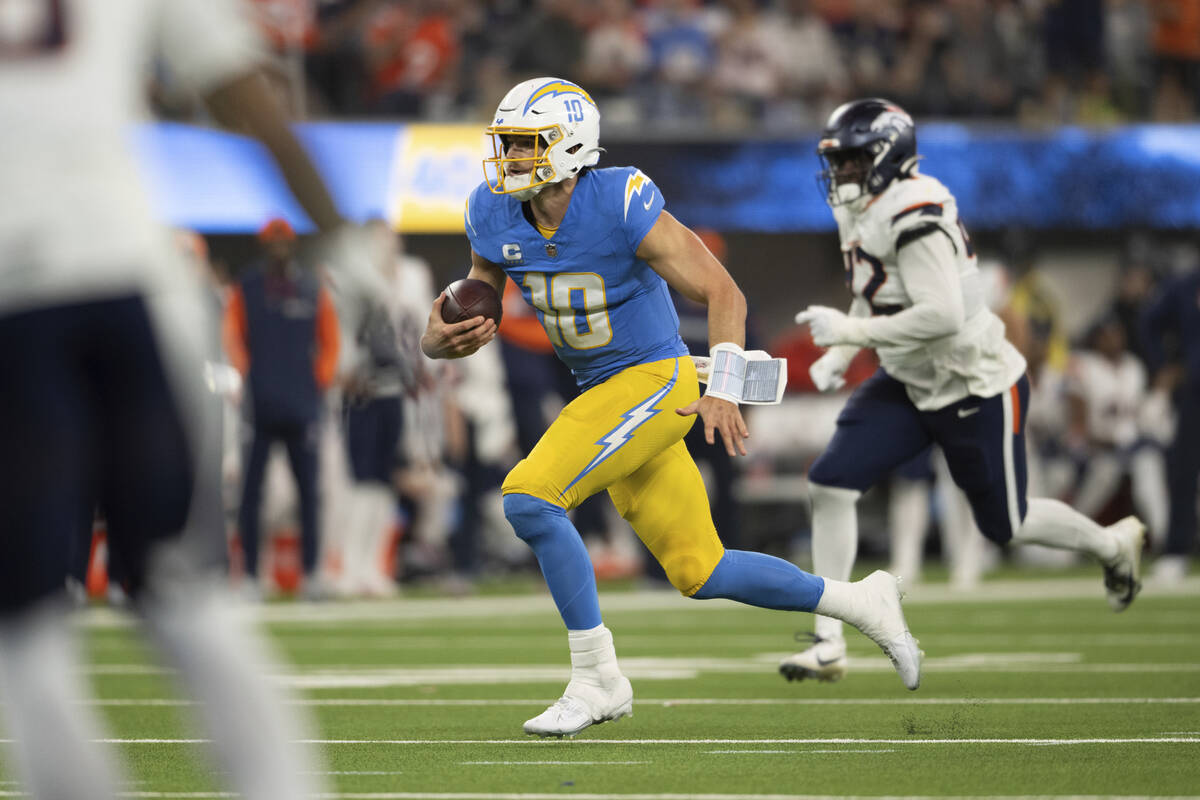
574 110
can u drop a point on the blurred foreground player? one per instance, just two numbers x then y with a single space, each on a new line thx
948 375
101 335
594 252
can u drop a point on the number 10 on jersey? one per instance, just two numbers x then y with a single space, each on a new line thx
561 316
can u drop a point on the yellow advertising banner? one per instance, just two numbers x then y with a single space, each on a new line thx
434 168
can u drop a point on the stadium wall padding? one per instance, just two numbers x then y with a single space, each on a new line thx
417 176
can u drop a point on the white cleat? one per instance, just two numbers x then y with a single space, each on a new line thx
1122 575
825 660
884 624
583 705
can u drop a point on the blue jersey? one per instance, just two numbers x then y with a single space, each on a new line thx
603 308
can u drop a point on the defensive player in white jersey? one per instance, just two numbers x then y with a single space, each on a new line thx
101 331
947 373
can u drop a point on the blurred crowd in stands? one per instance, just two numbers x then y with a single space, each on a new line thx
397 460
743 65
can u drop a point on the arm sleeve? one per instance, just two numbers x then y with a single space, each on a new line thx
643 202
233 331
929 269
328 340
208 43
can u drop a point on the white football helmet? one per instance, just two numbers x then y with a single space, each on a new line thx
562 124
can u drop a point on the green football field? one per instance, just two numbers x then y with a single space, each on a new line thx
1032 687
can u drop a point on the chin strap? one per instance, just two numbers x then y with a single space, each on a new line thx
742 376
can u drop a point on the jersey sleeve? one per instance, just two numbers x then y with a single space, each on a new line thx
920 208
642 202
475 218
207 43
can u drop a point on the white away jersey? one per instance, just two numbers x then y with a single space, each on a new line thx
1113 393
977 359
75 221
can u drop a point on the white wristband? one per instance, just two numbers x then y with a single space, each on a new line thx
741 376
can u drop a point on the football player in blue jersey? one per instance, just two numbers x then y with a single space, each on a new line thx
593 251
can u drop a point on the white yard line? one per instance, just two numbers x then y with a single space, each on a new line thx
384 611
554 763
700 701
356 772
797 752
543 742
632 796
568 741
405 643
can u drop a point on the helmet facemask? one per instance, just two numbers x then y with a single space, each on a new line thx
527 172
865 146
846 178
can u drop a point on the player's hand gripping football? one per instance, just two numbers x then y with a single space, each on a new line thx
831 327
454 340
720 415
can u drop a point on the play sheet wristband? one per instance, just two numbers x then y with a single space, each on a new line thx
742 376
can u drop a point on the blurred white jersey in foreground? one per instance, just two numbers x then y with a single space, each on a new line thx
75 221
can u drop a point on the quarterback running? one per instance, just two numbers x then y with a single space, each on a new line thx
947 373
593 252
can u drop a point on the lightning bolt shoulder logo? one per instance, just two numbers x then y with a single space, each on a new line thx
634 185
631 420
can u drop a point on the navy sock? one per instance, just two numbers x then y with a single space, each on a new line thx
560 553
762 580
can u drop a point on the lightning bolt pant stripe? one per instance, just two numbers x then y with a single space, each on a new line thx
631 420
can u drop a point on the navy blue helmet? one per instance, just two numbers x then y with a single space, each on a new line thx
866 144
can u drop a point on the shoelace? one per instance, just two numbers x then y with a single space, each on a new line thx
569 704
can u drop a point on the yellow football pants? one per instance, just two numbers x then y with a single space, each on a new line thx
624 436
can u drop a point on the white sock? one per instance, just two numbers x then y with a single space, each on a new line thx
1149 474
593 655
1100 481
255 735
55 749
834 542
908 517
358 505
841 601
383 514
1055 524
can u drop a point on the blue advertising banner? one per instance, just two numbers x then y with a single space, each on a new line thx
417 176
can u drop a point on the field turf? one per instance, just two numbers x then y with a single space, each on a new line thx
1032 687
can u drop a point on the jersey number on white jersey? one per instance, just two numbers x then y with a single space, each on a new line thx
560 316
852 256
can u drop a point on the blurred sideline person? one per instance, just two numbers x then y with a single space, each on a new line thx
947 373
380 374
101 330
595 253
1173 318
281 332
1108 400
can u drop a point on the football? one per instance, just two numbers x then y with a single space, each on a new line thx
469 298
